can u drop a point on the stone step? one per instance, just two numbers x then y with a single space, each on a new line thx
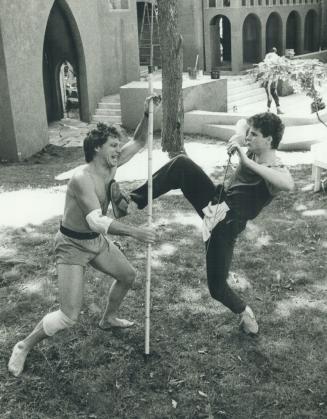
111 99
221 132
240 94
104 105
194 121
241 87
113 119
292 140
234 83
259 97
108 112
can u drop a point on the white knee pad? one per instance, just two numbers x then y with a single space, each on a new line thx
56 321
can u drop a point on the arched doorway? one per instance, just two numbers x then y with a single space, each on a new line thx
293 32
274 33
311 32
62 45
220 41
251 39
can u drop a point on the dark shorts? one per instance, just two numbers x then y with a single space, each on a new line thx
69 251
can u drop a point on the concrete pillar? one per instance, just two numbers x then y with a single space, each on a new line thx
263 39
237 45
282 51
323 41
302 34
208 46
8 148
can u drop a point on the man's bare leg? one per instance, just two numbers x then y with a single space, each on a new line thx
71 285
115 264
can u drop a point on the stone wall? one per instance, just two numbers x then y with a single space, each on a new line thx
205 95
107 45
191 27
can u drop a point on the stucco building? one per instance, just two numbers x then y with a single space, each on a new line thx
98 38
100 41
234 34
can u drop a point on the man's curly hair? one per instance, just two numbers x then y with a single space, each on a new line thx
268 124
97 137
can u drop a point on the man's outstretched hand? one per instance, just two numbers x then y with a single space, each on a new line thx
156 102
145 234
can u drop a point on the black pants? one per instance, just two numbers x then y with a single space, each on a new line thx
182 173
273 92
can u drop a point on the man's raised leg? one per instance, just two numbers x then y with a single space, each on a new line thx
179 173
115 264
71 284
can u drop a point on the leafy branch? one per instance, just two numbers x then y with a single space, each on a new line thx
303 75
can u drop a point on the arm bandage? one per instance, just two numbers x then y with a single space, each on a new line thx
241 127
98 222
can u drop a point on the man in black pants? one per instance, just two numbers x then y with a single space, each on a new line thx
271 59
259 176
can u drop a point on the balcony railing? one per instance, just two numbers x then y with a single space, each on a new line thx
235 4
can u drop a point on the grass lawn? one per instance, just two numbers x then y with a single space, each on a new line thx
201 365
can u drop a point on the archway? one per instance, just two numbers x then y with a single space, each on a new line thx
251 39
274 33
311 32
62 43
293 32
220 41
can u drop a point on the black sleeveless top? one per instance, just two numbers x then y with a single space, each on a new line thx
246 194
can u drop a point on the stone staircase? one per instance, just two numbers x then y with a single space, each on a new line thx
242 95
108 110
242 92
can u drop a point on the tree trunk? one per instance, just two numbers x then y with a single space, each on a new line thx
172 77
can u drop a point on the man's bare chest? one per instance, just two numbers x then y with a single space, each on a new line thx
103 194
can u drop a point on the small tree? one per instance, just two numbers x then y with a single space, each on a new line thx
303 75
172 78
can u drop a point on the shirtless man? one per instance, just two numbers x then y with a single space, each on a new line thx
82 237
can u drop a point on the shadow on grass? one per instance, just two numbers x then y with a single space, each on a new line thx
199 358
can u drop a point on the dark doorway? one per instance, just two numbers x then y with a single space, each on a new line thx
220 41
293 32
251 39
274 33
62 45
69 90
311 32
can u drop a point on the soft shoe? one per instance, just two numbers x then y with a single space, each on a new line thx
119 200
248 322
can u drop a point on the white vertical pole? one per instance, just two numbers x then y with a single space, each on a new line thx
150 148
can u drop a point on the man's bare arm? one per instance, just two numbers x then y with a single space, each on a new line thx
241 129
141 133
143 233
137 143
88 201
281 179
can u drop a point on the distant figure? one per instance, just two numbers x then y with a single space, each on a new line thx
271 84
